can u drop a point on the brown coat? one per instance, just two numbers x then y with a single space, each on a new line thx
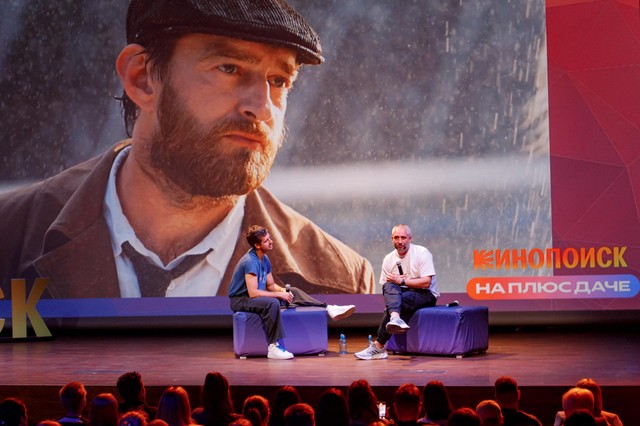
56 229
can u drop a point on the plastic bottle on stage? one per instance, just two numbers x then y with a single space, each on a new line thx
342 344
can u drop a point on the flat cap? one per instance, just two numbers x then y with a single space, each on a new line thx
263 21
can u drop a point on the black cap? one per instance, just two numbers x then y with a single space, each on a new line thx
263 21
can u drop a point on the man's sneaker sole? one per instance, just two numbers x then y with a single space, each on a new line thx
381 355
345 314
395 329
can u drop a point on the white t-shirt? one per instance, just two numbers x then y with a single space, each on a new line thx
417 263
201 280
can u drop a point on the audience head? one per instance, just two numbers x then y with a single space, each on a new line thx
240 421
133 418
73 397
256 410
332 409
48 423
131 387
406 402
299 414
362 401
174 407
507 392
580 418
13 412
216 395
104 410
577 399
463 417
489 413
284 397
594 387
436 402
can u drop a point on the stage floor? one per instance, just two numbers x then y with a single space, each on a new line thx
551 358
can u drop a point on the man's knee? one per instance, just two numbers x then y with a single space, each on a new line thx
390 287
272 305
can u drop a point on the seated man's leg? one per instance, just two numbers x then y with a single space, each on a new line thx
335 312
393 299
413 300
300 298
269 310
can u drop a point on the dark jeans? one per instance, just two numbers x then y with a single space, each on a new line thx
269 310
404 301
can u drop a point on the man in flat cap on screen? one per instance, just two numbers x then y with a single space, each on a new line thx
205 94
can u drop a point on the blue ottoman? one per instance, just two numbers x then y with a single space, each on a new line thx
306 329
441 330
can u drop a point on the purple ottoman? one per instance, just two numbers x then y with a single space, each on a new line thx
441 330
306 329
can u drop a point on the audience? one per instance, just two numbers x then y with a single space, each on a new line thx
174 407
104 410
507 396
256 409
407 405
284 397
489 413
580 418
362 403
463 417
73 397
587 383
436 403
134 395
133 418
299 414
332 408
578 399
217 405
13 412
582 405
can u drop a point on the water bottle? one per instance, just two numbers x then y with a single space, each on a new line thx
342 344
370 340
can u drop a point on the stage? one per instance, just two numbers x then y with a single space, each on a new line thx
545 360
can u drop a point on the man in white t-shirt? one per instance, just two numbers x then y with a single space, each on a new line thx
408 282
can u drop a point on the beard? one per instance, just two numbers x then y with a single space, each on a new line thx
194 158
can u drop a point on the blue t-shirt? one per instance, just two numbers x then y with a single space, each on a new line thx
250 263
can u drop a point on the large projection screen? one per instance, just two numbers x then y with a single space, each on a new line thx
505 134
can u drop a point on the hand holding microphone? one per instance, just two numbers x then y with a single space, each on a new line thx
287 289
400 272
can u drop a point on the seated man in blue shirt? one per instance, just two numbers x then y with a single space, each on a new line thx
253 289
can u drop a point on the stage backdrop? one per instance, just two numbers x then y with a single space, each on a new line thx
504 133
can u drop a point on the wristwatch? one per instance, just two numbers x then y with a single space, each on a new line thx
403 282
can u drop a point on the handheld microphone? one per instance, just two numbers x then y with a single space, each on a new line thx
452 304
399 265
287 288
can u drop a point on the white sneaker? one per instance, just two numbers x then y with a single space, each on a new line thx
372 352
275 351
396 325
337 312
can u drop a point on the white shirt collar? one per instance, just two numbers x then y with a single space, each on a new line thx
221 239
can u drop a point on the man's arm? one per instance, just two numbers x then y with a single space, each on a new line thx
254 291
420 282
416 283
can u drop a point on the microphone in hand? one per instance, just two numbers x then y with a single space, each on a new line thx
287 288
